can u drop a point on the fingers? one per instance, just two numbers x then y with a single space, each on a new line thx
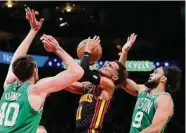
47 45
39 24
98 42
28 10
29 14
89 40
94 37
50 44
41 21
49 40
91 43
132 37
46 41
46 38
52 38
95 40
33 15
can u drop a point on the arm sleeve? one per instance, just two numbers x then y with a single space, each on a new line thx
91 76
85 62
94 77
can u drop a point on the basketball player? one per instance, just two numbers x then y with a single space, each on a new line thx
97 92
154 106
22 102
41 129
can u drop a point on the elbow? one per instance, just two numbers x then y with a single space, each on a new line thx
7 82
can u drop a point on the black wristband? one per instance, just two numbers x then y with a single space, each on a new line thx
85 61
94 77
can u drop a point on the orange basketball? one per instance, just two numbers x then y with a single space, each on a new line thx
95 56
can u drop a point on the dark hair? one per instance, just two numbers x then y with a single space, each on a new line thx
23 67
122 74
173 75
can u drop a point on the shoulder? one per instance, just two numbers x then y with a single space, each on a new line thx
35 98
106 83
164 99
165 102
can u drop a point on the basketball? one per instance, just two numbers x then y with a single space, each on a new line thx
95 55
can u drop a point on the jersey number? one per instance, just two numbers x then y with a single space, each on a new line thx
78 114
137 119
9 117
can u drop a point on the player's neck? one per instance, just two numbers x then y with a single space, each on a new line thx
159 89
31 80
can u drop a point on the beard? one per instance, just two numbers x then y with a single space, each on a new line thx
151 84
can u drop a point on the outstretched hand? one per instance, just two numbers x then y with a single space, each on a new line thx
91 44
129 43
50 43
30 16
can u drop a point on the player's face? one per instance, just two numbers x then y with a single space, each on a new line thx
110 70
154 78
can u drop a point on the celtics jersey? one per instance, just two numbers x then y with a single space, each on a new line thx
16 114
144 111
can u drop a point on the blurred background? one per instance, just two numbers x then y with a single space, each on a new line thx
160 27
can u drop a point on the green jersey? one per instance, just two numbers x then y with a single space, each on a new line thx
16 114
144 111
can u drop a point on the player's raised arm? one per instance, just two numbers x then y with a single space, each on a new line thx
52 84
130 86
24 46
89 75
94 76
164 111
126 48
89 48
